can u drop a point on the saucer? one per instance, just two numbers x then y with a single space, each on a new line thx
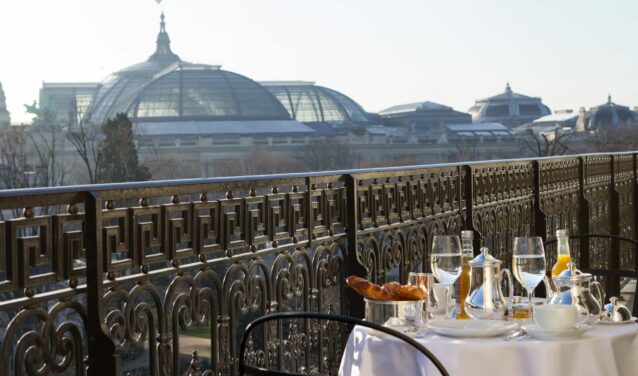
471 328
573 333
605 322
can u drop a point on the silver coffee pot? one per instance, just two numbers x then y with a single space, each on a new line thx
485 299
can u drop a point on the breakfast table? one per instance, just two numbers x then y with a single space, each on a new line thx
604 350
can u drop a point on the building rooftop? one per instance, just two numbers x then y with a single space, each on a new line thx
310 103
166 89
247 128
508 108
411 107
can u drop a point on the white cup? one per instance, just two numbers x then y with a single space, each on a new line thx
555 316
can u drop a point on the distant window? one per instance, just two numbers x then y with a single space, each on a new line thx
529 110
498 110
298 141
260 141
225 141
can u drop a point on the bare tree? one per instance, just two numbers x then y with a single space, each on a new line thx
16 170
261 161
621 138
545 144
329 155
466 149
16 163
171 167
43 134
85 138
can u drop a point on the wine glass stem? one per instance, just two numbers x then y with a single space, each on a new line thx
529 302
448 299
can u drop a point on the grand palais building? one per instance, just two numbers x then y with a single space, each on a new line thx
206 116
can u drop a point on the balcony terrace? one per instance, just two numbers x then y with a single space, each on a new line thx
132 278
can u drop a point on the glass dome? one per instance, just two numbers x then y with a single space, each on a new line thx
164 88
508 108
309 103
610 114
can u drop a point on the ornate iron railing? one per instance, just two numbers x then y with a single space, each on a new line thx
132 278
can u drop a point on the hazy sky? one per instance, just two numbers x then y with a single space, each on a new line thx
380 53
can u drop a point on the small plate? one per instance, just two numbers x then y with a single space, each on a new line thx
573 333
471 328
605 322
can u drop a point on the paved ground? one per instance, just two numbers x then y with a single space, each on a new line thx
188 344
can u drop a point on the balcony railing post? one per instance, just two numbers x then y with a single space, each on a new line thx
613 284
468 219
102 351
355 306
540 218
583 215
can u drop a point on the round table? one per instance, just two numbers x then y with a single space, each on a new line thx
604 350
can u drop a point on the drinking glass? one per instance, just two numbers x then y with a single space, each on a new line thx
445 261
425 282
528 263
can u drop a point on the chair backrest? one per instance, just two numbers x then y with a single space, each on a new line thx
611 273
311 343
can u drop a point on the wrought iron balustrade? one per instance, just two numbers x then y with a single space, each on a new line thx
131 278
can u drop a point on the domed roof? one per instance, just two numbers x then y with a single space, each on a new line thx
508 108
164 88
610 114
310 103
159 60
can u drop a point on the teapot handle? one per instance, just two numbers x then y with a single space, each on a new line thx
510 282
597 292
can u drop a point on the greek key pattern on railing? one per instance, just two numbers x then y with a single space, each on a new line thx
398 213
183 266
597 192
624 186
502 205
559 189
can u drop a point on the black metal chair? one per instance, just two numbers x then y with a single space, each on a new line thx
312 344
610 273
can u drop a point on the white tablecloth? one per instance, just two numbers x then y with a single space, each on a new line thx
604 350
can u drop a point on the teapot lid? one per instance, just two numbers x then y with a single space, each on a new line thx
572 274
485 259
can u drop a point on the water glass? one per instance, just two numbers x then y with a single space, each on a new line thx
528 263
446 261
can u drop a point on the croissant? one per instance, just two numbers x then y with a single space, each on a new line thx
404 292
389 291
368 289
